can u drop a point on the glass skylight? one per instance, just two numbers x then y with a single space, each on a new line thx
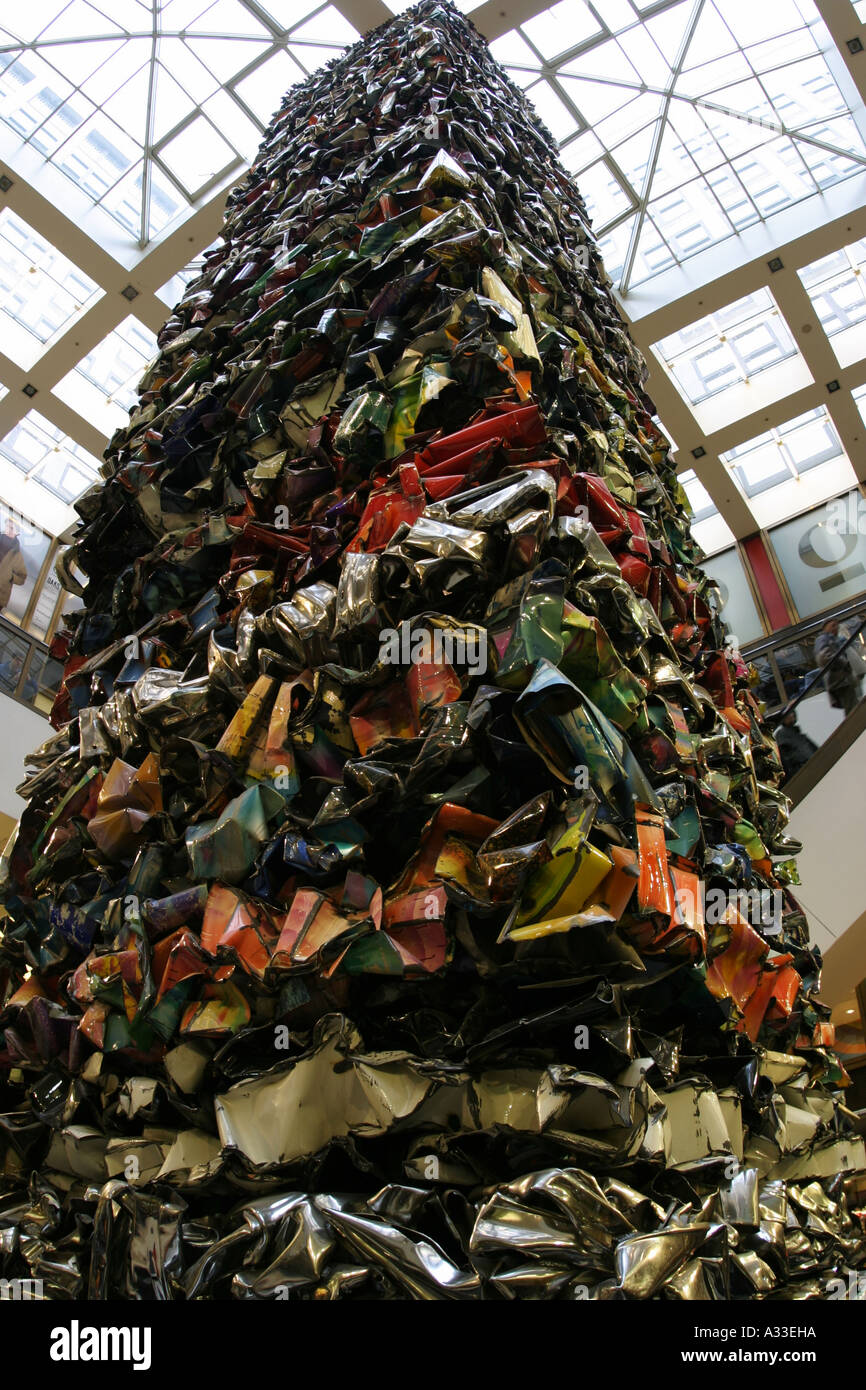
41 291
706 118
78 78
709 527
791 468
727 348
263 89
783 453
172 291
836 289
102 385
43 452
701 502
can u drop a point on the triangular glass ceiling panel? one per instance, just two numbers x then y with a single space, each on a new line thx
580 152
127 61
174 105
645 55
606 58
633 156
605 197
670 30
635 114
514 52
711 41
674 166
707 78
74 21
226 60
285 13
228 19
262 90
594 100
565 25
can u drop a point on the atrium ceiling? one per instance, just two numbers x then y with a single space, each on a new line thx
720 144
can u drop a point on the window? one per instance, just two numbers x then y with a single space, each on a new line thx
103 384
739 610
732 123
708 527
783 453
726 348
42 451
835 287
700 500
78 87
42 291
172 292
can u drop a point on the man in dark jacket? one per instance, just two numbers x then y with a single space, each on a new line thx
795 747
841 682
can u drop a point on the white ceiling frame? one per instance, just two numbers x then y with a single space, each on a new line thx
655 148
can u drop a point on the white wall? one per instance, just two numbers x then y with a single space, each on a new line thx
830 822
20 732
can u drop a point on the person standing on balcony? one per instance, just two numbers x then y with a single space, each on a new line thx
13 569
841 681
795 747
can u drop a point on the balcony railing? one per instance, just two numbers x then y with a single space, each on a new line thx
808 698
28 673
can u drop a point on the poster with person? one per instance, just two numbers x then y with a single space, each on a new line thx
23 548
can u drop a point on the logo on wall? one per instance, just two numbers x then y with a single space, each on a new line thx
829 542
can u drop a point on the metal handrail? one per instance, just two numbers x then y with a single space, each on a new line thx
767 650
805 627
821 674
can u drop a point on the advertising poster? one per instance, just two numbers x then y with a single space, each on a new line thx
23 548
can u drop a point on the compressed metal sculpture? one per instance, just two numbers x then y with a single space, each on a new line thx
402 907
